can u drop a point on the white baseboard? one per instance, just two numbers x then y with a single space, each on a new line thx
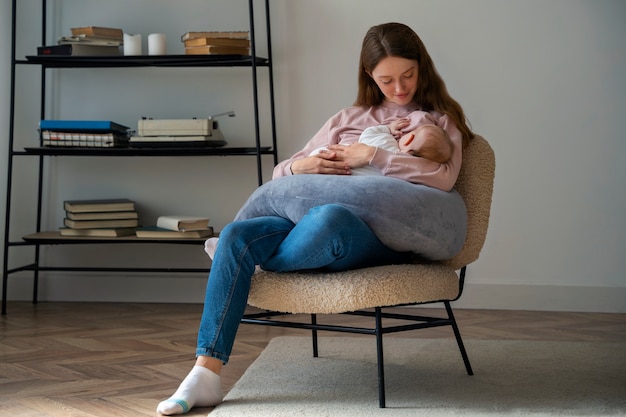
543 298
189 288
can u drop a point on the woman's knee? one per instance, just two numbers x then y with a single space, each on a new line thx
335 218
255 227
332 215
231 230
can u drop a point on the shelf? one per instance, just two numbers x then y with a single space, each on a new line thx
53 238
26 147
169 151
59 61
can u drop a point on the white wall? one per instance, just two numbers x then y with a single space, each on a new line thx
543 81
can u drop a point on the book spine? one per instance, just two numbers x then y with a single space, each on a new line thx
240 43
114 33
100 224
216 50
92 206
216 34
55 50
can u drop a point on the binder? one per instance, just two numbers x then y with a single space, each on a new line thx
101 126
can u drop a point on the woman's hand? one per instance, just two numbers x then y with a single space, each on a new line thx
396 127
325 162
337 160
355 155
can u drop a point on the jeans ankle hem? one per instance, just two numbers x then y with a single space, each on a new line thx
216 355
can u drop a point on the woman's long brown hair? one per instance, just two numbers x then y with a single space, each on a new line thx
396 39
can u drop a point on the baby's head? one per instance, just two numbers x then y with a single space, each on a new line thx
427 141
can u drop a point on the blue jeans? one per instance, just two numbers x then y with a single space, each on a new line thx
329 237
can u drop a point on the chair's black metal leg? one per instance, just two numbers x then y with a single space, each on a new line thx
379 358
314 335
459 341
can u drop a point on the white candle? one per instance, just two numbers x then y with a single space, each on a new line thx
132 44
156 44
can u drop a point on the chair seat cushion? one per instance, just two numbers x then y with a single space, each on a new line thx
339 292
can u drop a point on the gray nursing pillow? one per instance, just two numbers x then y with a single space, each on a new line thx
404 216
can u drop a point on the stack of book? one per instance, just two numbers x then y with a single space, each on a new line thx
217 43
87 41
83 133
177 227
100 218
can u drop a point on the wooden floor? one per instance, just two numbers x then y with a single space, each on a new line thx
105 359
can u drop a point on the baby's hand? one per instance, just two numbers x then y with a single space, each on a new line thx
396 126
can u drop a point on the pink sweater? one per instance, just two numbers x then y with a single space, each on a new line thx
346 126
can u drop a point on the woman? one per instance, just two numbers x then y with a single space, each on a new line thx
396 76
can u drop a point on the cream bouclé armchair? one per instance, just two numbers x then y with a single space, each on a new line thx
368 291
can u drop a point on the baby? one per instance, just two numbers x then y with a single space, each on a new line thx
426 140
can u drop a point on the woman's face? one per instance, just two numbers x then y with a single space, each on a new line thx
397 79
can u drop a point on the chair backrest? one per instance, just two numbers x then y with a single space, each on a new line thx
475 184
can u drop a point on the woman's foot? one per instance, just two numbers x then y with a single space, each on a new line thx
210 245
201 388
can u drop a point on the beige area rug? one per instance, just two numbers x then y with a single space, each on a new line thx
426 377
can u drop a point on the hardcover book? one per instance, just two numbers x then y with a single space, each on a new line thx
217 50
182 223
91 206
160 233
241 43
79 49
118 232
90 40
104 215
241 34
100 31
100 224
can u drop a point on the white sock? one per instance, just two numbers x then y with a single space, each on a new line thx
210 245
201 388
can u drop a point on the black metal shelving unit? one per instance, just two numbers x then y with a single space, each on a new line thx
39 237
